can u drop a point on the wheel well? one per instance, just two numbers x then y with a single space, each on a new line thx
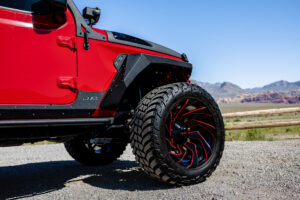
150 78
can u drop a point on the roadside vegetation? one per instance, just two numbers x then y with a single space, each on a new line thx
264 134
240 107
261 134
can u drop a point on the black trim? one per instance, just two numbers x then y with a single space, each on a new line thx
128 38
54 122
85 104
138 62
119 61
130 69
153 46
184 57
80 22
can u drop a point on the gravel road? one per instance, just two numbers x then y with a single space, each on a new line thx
248 170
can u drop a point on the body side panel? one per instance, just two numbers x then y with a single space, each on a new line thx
32 61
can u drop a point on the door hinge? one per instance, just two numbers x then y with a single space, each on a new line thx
67 82
66 41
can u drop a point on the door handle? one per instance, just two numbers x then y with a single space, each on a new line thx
66 41
67 82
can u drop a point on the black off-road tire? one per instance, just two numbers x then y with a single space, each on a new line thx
147 135
80 152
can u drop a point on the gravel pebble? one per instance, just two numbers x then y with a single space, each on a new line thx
248 170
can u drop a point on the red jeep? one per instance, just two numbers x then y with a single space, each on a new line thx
96 91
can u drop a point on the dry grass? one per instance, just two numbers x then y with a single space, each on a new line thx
240 107
279 133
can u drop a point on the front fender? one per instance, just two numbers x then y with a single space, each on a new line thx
129 68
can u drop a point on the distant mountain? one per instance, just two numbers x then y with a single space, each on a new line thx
230 89
279 86
265 97
221 90
277 92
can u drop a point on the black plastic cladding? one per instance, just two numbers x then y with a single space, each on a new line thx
85 105
119 61
128 38
131 67
23 123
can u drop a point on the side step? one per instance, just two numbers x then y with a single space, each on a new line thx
19 123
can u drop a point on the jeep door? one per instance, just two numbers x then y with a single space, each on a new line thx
37 54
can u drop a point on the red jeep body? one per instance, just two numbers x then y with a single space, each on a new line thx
96 90
58 67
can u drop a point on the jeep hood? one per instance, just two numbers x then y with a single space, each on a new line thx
128 40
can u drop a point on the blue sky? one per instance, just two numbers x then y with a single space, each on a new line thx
247 42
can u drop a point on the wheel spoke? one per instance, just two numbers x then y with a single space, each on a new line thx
202 138
170 126
207 114
202 146
193 150
196 154
190 133
181 160
201 122
177 154
192 112
206 129
172 145
180 110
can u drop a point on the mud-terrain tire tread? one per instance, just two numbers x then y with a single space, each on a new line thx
144 134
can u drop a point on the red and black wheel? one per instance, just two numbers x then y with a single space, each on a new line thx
177 134
191 133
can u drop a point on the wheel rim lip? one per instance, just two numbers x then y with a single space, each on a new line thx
213 147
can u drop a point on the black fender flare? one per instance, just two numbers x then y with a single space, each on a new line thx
129 67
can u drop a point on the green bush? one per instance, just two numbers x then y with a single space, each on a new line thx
233 136
254 134
288 130
236 120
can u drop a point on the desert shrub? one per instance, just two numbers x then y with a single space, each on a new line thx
254 134
236 120
288 130
235 135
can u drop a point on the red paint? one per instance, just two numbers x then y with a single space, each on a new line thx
104 113
192 156
203 148
214 138
32 61
192 112
202 139
96 69
182 158
170 143
201 122
44 63
67 82
186 102
66 41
